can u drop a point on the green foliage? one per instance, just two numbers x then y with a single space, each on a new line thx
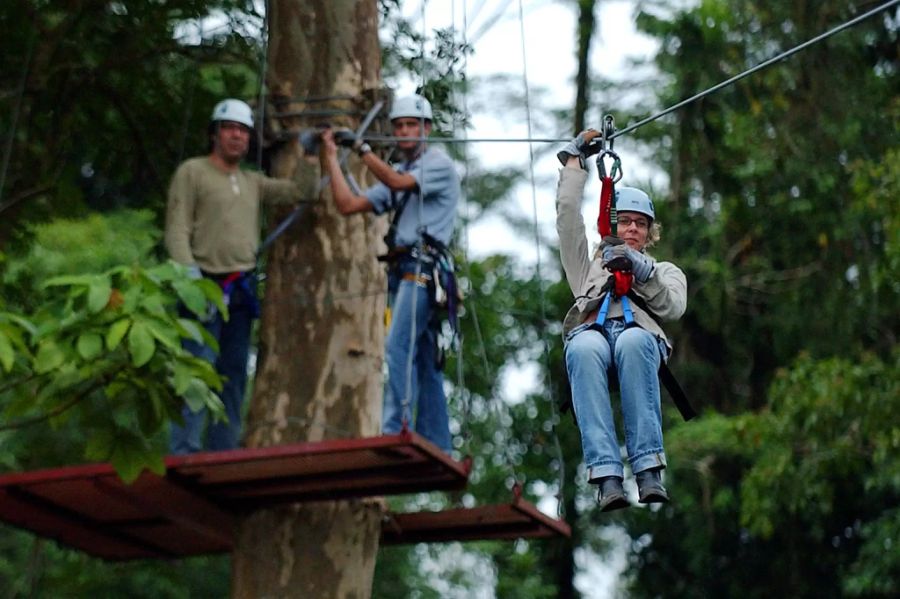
104 350
38 568
440 68
762 176
796 501
102 100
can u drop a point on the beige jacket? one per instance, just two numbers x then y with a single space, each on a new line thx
665 292
212 217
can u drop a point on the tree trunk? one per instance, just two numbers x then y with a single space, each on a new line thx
322 332
584 34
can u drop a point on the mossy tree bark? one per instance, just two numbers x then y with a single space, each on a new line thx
322 332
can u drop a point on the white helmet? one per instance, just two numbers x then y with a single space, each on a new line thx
414 106
630 199
233 110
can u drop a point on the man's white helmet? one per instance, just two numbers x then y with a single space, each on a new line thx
414 106
233 110
630 199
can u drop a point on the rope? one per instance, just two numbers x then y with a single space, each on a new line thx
540 280
465 429
762 65
467 140
410 361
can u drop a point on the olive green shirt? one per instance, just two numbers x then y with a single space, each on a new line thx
212 217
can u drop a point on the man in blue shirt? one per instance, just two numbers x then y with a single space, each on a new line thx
423 192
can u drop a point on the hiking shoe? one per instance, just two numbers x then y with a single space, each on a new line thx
611 495
650 487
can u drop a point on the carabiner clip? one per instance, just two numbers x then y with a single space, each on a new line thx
615 171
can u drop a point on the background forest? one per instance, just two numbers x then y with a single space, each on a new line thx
782 205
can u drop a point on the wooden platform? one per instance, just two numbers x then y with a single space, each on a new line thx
516 520
190 510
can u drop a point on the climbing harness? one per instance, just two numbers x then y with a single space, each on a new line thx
243 280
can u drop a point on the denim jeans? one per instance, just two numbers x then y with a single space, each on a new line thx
635 358
231 363
426 398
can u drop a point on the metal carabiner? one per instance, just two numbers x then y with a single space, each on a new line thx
615 171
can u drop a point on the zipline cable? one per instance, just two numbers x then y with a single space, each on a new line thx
760 66
786 54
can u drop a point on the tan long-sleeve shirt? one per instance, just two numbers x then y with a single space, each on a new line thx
665 292
212 217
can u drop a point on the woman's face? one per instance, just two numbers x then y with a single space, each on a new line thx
634 228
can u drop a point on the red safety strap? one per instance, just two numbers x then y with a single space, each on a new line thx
624 281
604 221
231 278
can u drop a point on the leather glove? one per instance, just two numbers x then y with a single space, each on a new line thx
349 139
309 141
624 257
581 146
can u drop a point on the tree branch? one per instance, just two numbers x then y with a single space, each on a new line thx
25 422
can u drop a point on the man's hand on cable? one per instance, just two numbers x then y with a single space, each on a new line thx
580 147
328 143
349 139
623 257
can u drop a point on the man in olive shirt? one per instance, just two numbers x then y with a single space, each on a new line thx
212 227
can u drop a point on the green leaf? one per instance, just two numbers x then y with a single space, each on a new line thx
49 357
192 297
190 329
131 455
99 445
132 299
89 345
19 320
154 304
116 333
7 355
165 334
140 344
213 293
68 280
181 377
196 395
165 271
98 295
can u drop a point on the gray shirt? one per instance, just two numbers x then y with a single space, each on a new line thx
431 205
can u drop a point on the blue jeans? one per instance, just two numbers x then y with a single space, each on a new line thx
231 363
634 354
426 398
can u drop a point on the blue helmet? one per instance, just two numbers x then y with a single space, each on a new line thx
631 199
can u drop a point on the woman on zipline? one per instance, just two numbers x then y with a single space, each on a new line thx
611 332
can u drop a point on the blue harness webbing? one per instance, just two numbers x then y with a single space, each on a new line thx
604 309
